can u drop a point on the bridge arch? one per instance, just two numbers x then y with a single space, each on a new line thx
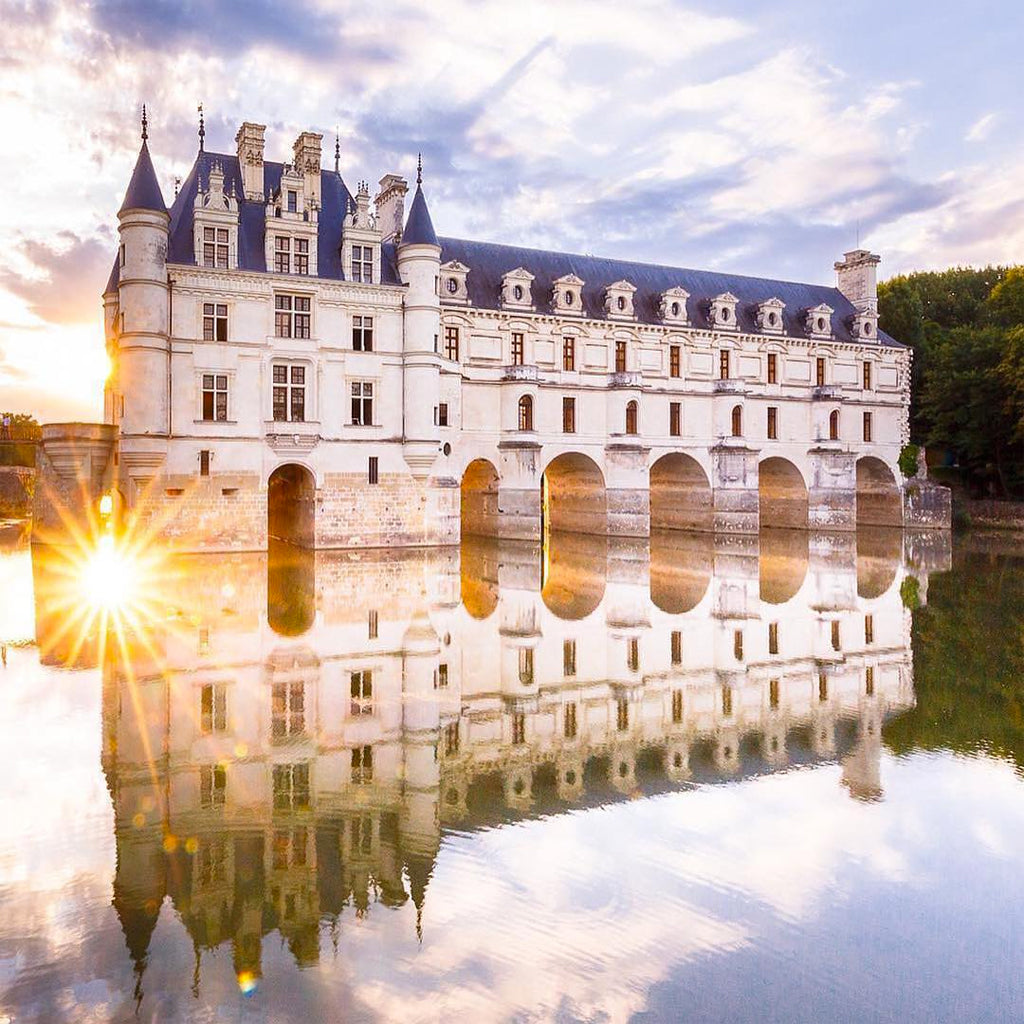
680 494
782 494
573 496
879 501
479 499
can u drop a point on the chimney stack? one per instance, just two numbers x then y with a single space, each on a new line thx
306 158
857 279
390 204
249 140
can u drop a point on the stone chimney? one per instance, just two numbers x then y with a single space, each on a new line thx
249 140
390 205
857 279
306 158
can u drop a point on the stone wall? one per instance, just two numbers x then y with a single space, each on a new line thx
17 485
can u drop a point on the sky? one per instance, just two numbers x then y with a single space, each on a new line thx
759 138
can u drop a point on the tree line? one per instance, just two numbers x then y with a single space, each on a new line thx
966 327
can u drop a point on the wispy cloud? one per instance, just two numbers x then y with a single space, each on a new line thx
982 128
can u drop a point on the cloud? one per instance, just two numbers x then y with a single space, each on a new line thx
982 128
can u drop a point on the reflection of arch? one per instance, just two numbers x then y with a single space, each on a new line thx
291 515
879 502
782 494
681 566
680 494
574 577
879 553
291 587
573 497
526 413
737 421
782 564
479 577
480 499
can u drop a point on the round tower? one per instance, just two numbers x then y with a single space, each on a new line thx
419 266
143 349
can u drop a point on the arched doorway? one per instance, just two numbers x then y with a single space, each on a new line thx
291 513
879 502
573 498
782 495
680 494
480 499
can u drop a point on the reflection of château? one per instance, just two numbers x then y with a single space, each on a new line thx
290 743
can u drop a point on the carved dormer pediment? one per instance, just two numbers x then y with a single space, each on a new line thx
673 306
215 223
453 282
517 289
567 295
618 300
360 239
722 314
864 326
818 321
769 316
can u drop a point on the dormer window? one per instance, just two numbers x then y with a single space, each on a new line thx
723 312
865 326
215 223
818 321
566 296
618 300
215 247
453 282
362 263
293 201
769 316
516 288
673 306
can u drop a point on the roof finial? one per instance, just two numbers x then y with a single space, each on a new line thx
202 129
419 168
145 124
337 150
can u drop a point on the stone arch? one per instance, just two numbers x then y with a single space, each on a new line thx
479 503
291 505
782 494
680 494
573 497
879 500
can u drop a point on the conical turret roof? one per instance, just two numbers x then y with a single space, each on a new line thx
143 190
419 229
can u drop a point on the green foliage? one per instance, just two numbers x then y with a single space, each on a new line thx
910 592
23 426
968 662
1006 303
908 460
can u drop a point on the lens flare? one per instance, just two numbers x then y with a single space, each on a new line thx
247 982
109 579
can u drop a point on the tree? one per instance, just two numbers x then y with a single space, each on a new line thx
23 427
1005 305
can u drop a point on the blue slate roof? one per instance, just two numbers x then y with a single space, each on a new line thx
143 190
419 228
489 262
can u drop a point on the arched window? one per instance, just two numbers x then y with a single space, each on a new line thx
632 418
833 425
737 421
526 413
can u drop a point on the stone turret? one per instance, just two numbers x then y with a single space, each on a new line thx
390 206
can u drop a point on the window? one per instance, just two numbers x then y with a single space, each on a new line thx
677 647
293 201
737 421
361 690
726 700
569 658
622 714
291 786
833 425
518 349
723 364
289 848
291 316
373 470
212 785
773 423
215 321
867 376
773 368
121 255
773 638
362 263
213 708
673 361
362 333
773 694
301 255
569 353
282 254
287 710
211 858
518 727
569 415
204 462
633 654
451 343
451 739
836 645
675 418
362 403
677 706
737 644
204 639
215 247
441 677
867 426
452 284
632 417
620 357
371 624
362 765
289 393
569 725
442 414
526 413
819 371
869 681
869 629
362 835
526 666
822 687
215 397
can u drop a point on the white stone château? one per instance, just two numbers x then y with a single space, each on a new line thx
291 358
